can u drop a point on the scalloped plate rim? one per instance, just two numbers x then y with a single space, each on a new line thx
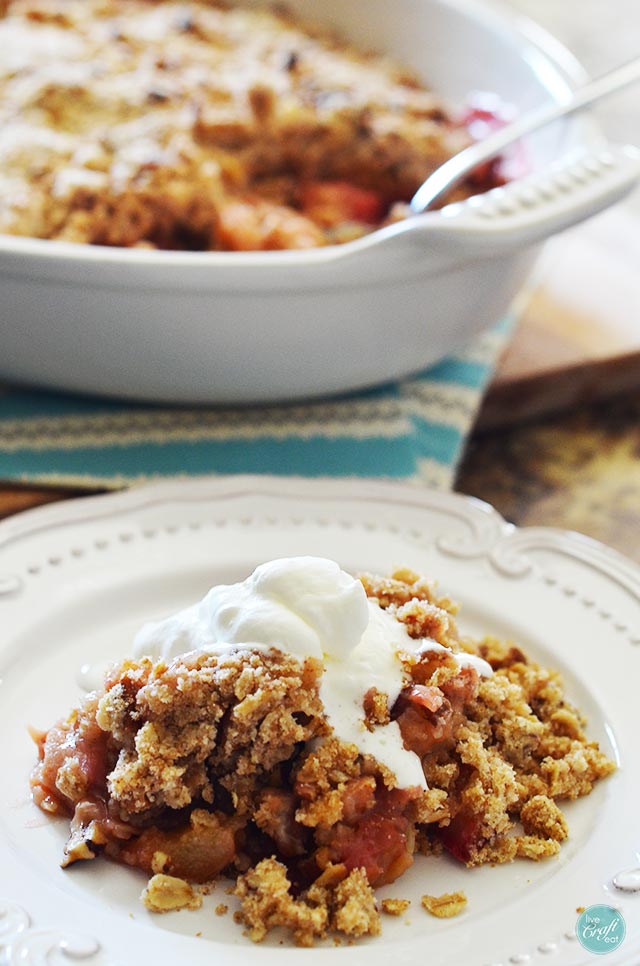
85 509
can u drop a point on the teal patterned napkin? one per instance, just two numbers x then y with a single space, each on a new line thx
412 430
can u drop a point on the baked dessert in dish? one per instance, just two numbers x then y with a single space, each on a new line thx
308 735
197 126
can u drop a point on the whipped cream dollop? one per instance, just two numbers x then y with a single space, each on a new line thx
309 607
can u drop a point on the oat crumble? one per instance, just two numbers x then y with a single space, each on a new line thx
187 124
165 893
446 906
395 907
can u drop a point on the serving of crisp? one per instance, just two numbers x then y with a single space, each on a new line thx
192 125
290 769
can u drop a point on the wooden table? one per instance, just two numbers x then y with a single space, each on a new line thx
579 470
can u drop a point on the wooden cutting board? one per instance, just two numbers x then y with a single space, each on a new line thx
578 336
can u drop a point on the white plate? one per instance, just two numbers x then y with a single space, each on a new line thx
77 579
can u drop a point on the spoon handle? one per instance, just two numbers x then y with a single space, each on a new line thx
521 213
453 171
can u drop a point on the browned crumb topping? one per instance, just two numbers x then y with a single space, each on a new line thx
541 816
166 893
348 907
404 586
167 721
207 766
326 781
267 902
376 708
354 906
533 847
519 740
242 129
395 907
446 906
222 909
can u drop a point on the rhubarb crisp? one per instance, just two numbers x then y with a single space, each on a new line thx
251 738
193 125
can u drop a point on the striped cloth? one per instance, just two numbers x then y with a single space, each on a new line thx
412 430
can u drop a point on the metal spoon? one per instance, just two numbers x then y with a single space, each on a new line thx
456 169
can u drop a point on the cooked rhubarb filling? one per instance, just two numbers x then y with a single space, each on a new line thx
193 125
225 760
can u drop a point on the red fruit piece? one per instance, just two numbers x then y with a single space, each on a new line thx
462 836
331 203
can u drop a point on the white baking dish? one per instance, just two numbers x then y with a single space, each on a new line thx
239 327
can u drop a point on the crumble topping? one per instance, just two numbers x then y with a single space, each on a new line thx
190 125
346 907
395 907
540 816
225 764
535 847
376 708
167 720
354 906
446 906
165 893
267 902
